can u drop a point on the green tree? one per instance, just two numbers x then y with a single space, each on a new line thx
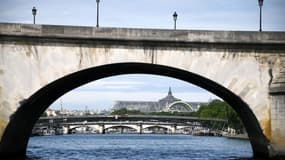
220 109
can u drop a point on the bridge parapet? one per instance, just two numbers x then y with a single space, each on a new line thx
194 36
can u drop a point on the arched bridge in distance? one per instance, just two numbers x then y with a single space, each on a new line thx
133 118
40 63
137 122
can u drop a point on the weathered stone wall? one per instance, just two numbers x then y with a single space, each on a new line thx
27 68
277 122
277 91
244 62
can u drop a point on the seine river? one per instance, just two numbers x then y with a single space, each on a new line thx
136 147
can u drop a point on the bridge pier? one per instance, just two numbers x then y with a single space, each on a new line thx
102 129
174 128
140 129
65 129
277 92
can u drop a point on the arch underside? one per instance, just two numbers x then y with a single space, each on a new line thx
157 126
120 126
16 136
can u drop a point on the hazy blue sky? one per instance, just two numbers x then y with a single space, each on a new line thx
192 14
102 93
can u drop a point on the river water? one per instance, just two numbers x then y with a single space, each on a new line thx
136 147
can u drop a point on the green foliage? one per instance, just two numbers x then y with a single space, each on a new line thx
215 109
220 109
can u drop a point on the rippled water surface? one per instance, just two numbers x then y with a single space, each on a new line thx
137 147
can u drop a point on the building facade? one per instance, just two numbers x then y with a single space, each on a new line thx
168 104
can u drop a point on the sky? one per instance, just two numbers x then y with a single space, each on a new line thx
102 94
192 15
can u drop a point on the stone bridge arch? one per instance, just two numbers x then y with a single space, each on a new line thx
159 126
77 126
123 126
70 128
33 107
38 61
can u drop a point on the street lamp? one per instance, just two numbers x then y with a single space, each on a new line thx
260 3
97 25
34 12
175 19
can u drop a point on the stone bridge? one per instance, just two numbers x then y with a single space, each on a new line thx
138 122
40 63
133 118
101 127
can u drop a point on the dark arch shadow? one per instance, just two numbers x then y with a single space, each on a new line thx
156 126
119 126
16 135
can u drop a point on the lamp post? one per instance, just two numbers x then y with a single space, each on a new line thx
97 25
175 19
34 12
260 3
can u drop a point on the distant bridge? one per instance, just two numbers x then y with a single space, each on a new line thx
153 118
139 127
101 123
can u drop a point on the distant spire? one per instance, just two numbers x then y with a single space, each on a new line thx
169 92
